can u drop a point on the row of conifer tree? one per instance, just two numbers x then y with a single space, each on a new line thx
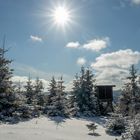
82 100
16 102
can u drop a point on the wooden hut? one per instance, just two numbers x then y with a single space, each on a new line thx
105 97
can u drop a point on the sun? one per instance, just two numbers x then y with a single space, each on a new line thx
61 16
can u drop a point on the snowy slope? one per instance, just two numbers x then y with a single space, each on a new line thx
57 129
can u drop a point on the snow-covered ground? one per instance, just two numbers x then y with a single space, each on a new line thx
54 129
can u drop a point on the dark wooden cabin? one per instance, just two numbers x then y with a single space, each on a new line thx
105 97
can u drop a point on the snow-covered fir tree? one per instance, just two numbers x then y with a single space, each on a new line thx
20 96
34 100
62 100
133 129
38 87
38 91
8 102
29 92
52 91
90 91
84 93
56 98
81 96
72 102
130 98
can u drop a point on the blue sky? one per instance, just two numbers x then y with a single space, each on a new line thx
104 35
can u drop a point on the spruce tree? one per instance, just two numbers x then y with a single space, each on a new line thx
56 99
29 92
130 95
89 89
61 98
81 99
84 93
19 93
38 90
52 91
7 95
73 100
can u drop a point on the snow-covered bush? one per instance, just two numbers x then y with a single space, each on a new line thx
133 129
116 125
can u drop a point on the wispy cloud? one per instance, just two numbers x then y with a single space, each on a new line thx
93 45
113 67
81 61
136 2
25 70
97 44
36 38
73 45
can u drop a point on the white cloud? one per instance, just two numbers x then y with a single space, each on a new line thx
113 67
23 79
97 44
94 44
137 2
121 58
81 61
36 38
73 45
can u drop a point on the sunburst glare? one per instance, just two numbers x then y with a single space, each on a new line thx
61 16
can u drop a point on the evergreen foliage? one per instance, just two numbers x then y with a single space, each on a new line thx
83 95
130 99
27 104
38 90
56 100
116 125
8 100
29 92
52 91
73 107
133 129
